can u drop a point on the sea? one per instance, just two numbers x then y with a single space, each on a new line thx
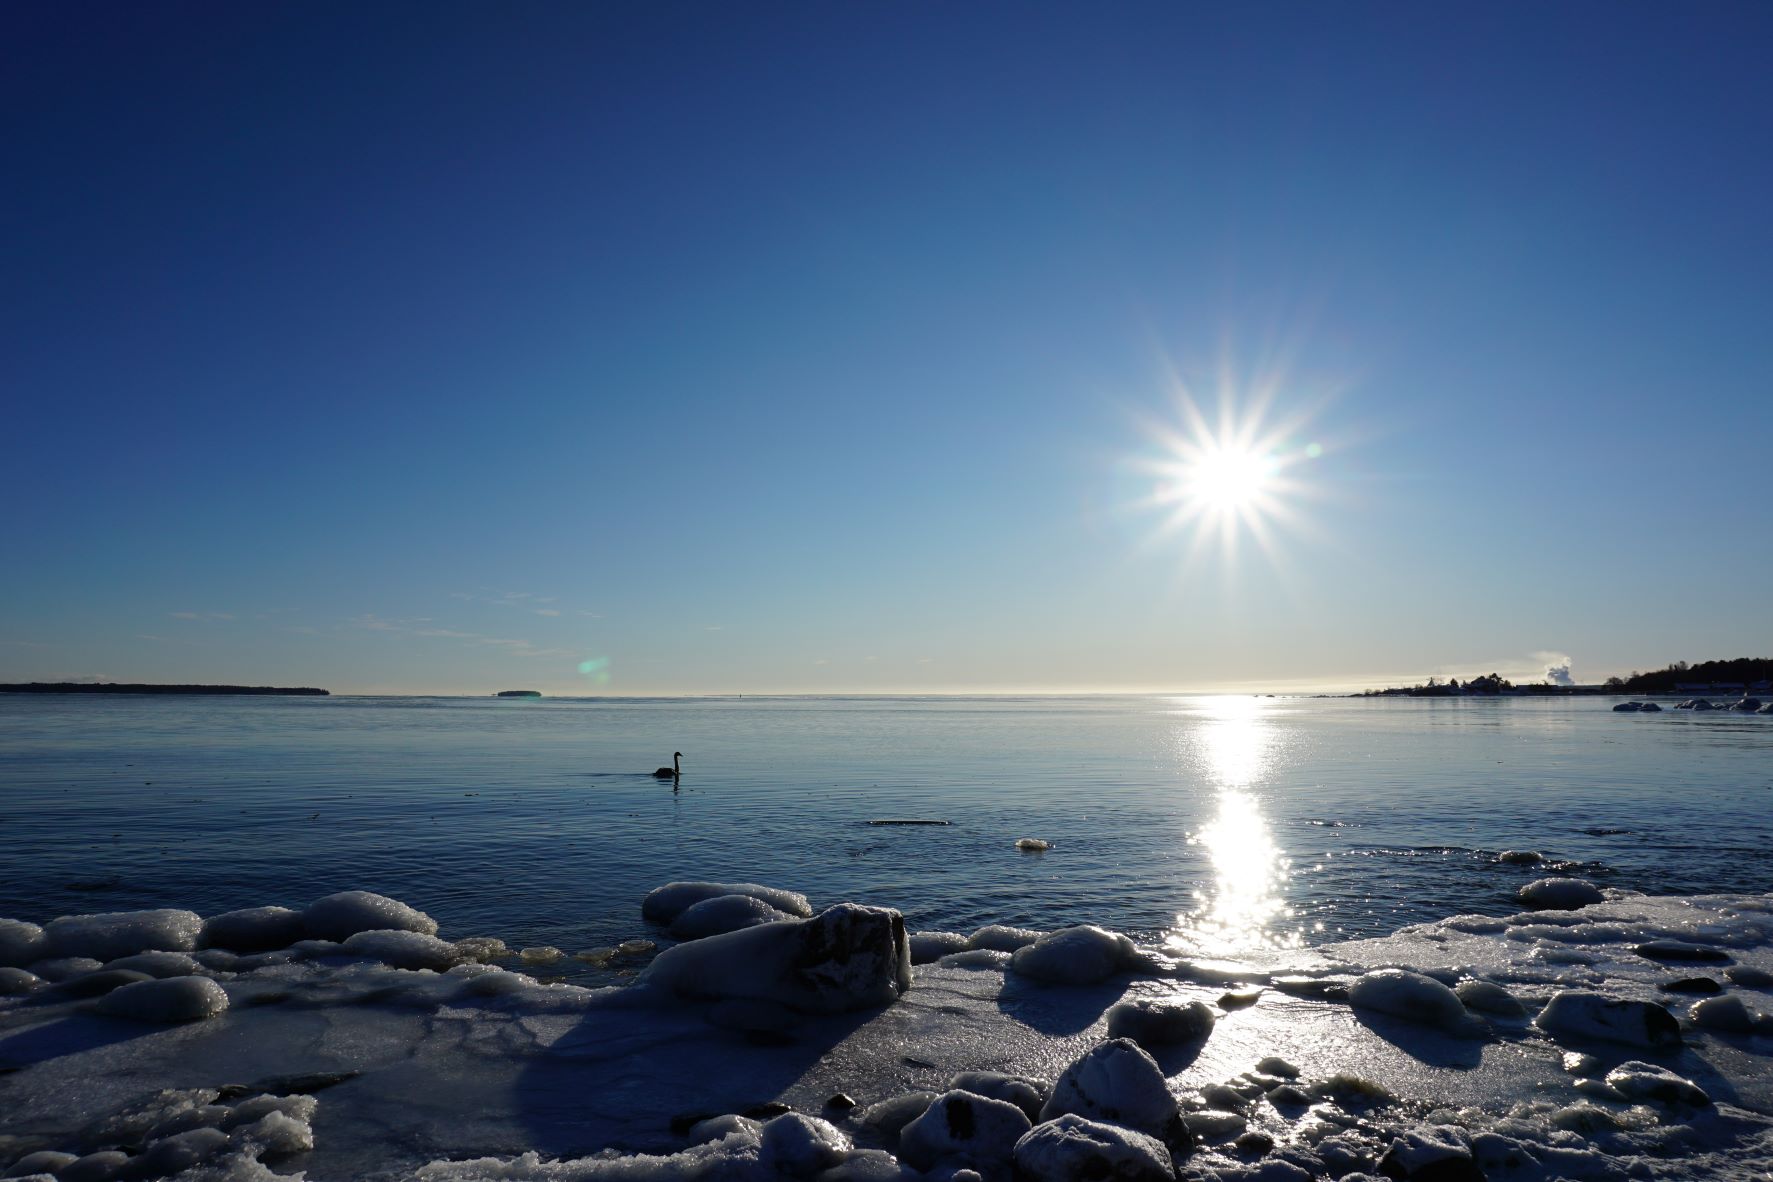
1209 825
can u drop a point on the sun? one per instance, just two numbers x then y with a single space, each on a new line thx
1229 477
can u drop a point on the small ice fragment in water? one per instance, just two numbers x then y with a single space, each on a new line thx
1520 857
1560 894
908 821
541 954
1032 845
1157 1023
176 999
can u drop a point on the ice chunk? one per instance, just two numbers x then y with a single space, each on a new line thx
181 1151
1156 1023
1082 955
1749 977
405 949
540 954
176 999
483 949
889 1116
1560 894
17 982
1646 1081
1415 998
157 964
254 929
95 1167
798 1146
21 943
1729 1014
1575 1013
1073 1149
961 1128
1277 1066
1520 857
999 937
723 913
976 958
64 968
1033 845
664 904
112 934
1437 1152
932 946
1213 1124
716 1127
1117 1081
1491 998
845 958
101 982
339 916
1025 1094
44 1161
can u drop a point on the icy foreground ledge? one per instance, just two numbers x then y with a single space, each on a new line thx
1523 1046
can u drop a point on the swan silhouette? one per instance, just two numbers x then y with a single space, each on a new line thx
672 772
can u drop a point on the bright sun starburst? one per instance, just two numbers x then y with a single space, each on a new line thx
1236 475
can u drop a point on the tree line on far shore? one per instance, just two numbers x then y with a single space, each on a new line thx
1741 671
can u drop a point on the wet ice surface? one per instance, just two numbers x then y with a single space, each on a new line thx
1394 1055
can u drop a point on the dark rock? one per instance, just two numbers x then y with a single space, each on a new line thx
842 1102
1691 985
1680 950
1254 1143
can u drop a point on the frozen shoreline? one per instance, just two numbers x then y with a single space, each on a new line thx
329 1061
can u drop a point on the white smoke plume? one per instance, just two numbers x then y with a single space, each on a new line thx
1557 668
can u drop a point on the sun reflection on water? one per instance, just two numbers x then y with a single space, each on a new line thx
1232 746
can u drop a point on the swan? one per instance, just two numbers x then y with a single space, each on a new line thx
672 772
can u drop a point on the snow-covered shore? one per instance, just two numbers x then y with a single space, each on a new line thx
1621 1038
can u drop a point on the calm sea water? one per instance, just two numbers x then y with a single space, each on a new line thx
1217 823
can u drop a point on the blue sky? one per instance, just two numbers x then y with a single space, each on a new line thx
744 348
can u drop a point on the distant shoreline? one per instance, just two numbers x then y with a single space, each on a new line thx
107 687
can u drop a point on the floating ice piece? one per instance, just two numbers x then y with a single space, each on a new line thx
1520 857
1033 845
1438 1152
1415 998
1082 955
1560 894
1489 997
797 1146
1073 1149
1646 1081
176 999
663 905
908 821
21 943
484 949
1626 707
1025 1094
112 934
847 957
724 913
1117 1081
1680 950
1575 1013
343 915
405 950
961 1128
1159 1023
254 929
1728 1014
931 946
1001 938
540 954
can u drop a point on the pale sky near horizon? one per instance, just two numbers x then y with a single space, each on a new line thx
696 348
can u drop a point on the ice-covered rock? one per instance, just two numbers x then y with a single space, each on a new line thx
845 958
893 1114
44 1161
157 964
1560 894
1215 1124
254 929
1118 1082
1647 1081
664 904
405 949
798 1146
716 1127
1026 1094
102 1166
1490 998
1576 1013
1749 976
976 958
1433 1154
1681 951
338 917
21 943
1082 955
1074 1149
927 947
61 968
962 1128
17 982
997 937
109 935
175 999
1729 1014
1415 998
723 913
1158 1023
99 983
